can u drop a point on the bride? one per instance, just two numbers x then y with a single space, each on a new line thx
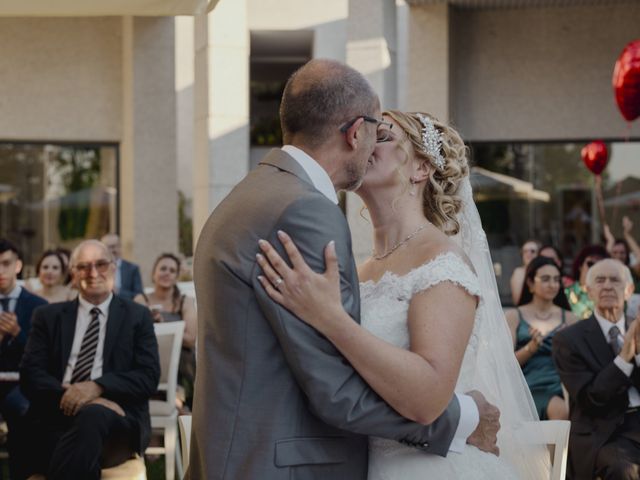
432 323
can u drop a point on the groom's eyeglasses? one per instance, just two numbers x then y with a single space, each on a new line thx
366 118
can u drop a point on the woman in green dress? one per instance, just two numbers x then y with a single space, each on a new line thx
581 304
542 311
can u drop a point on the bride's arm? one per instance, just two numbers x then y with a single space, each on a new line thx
418 383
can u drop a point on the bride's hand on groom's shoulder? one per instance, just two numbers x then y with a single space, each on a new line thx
485 436
312 297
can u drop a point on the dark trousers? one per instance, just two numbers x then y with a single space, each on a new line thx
14 407
80 446
619 458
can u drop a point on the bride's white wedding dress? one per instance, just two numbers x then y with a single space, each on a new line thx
384 313
488 366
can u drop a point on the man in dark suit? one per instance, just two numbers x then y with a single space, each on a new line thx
598 361
16 307
89 369
128 282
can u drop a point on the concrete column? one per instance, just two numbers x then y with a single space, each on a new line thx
221 106
148 201
427 68
371 49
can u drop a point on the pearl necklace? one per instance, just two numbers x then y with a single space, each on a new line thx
400 243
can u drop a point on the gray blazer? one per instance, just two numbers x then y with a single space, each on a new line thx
274 399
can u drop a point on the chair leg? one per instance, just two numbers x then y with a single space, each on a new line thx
170 451
179 466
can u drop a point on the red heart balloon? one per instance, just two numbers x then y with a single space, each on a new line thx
595 156
626 81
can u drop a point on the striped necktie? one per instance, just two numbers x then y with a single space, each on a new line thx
84 363
614 342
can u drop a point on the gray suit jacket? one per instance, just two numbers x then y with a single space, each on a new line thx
274 399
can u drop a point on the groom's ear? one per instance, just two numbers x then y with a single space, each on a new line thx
352 134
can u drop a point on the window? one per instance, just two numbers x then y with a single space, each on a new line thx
55 195
275 55
543 191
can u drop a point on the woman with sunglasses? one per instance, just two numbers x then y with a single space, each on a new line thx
542 311
529 251
581 304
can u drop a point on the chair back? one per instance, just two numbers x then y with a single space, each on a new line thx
184 422
169 336
551 432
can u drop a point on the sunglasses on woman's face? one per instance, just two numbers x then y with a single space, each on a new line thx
590 262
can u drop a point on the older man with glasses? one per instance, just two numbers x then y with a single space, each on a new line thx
89 369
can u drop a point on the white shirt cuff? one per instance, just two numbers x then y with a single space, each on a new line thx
469 419
626 367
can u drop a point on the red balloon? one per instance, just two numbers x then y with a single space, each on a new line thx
626 81
595 156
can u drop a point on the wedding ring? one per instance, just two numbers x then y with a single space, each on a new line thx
279 281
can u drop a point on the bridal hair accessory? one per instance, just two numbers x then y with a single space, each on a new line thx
431 140
400 243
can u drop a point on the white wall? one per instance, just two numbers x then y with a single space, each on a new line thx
327 19
60 78
539 73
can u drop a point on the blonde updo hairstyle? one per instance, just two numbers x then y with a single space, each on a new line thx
440 201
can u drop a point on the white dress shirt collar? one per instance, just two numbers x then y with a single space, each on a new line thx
104 306
13 294
318 175
605 325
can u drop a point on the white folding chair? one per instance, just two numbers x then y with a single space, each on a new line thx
164 414
550 432
184 422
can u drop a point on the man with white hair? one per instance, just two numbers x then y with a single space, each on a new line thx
598 360
89 369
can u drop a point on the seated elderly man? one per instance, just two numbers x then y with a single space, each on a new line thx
599 363
89 369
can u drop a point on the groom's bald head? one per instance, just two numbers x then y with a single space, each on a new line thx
319 97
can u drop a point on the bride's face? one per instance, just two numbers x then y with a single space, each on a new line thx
391 161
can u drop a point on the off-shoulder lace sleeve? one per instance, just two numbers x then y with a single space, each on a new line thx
446 267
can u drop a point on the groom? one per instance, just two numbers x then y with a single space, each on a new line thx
273 398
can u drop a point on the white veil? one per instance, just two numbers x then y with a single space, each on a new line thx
497 373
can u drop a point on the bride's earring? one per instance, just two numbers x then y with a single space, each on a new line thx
412 190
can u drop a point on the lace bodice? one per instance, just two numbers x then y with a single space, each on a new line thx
385 303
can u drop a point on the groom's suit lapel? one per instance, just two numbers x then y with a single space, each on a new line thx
283 161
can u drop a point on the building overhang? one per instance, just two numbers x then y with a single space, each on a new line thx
481 4
90 8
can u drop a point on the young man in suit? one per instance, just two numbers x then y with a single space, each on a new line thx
89 369
598 360
127 282
273 398
16 308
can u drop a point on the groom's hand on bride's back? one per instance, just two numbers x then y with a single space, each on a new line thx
485 436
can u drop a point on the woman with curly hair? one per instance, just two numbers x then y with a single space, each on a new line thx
432 325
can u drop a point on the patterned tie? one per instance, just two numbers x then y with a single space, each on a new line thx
84 363
614 333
